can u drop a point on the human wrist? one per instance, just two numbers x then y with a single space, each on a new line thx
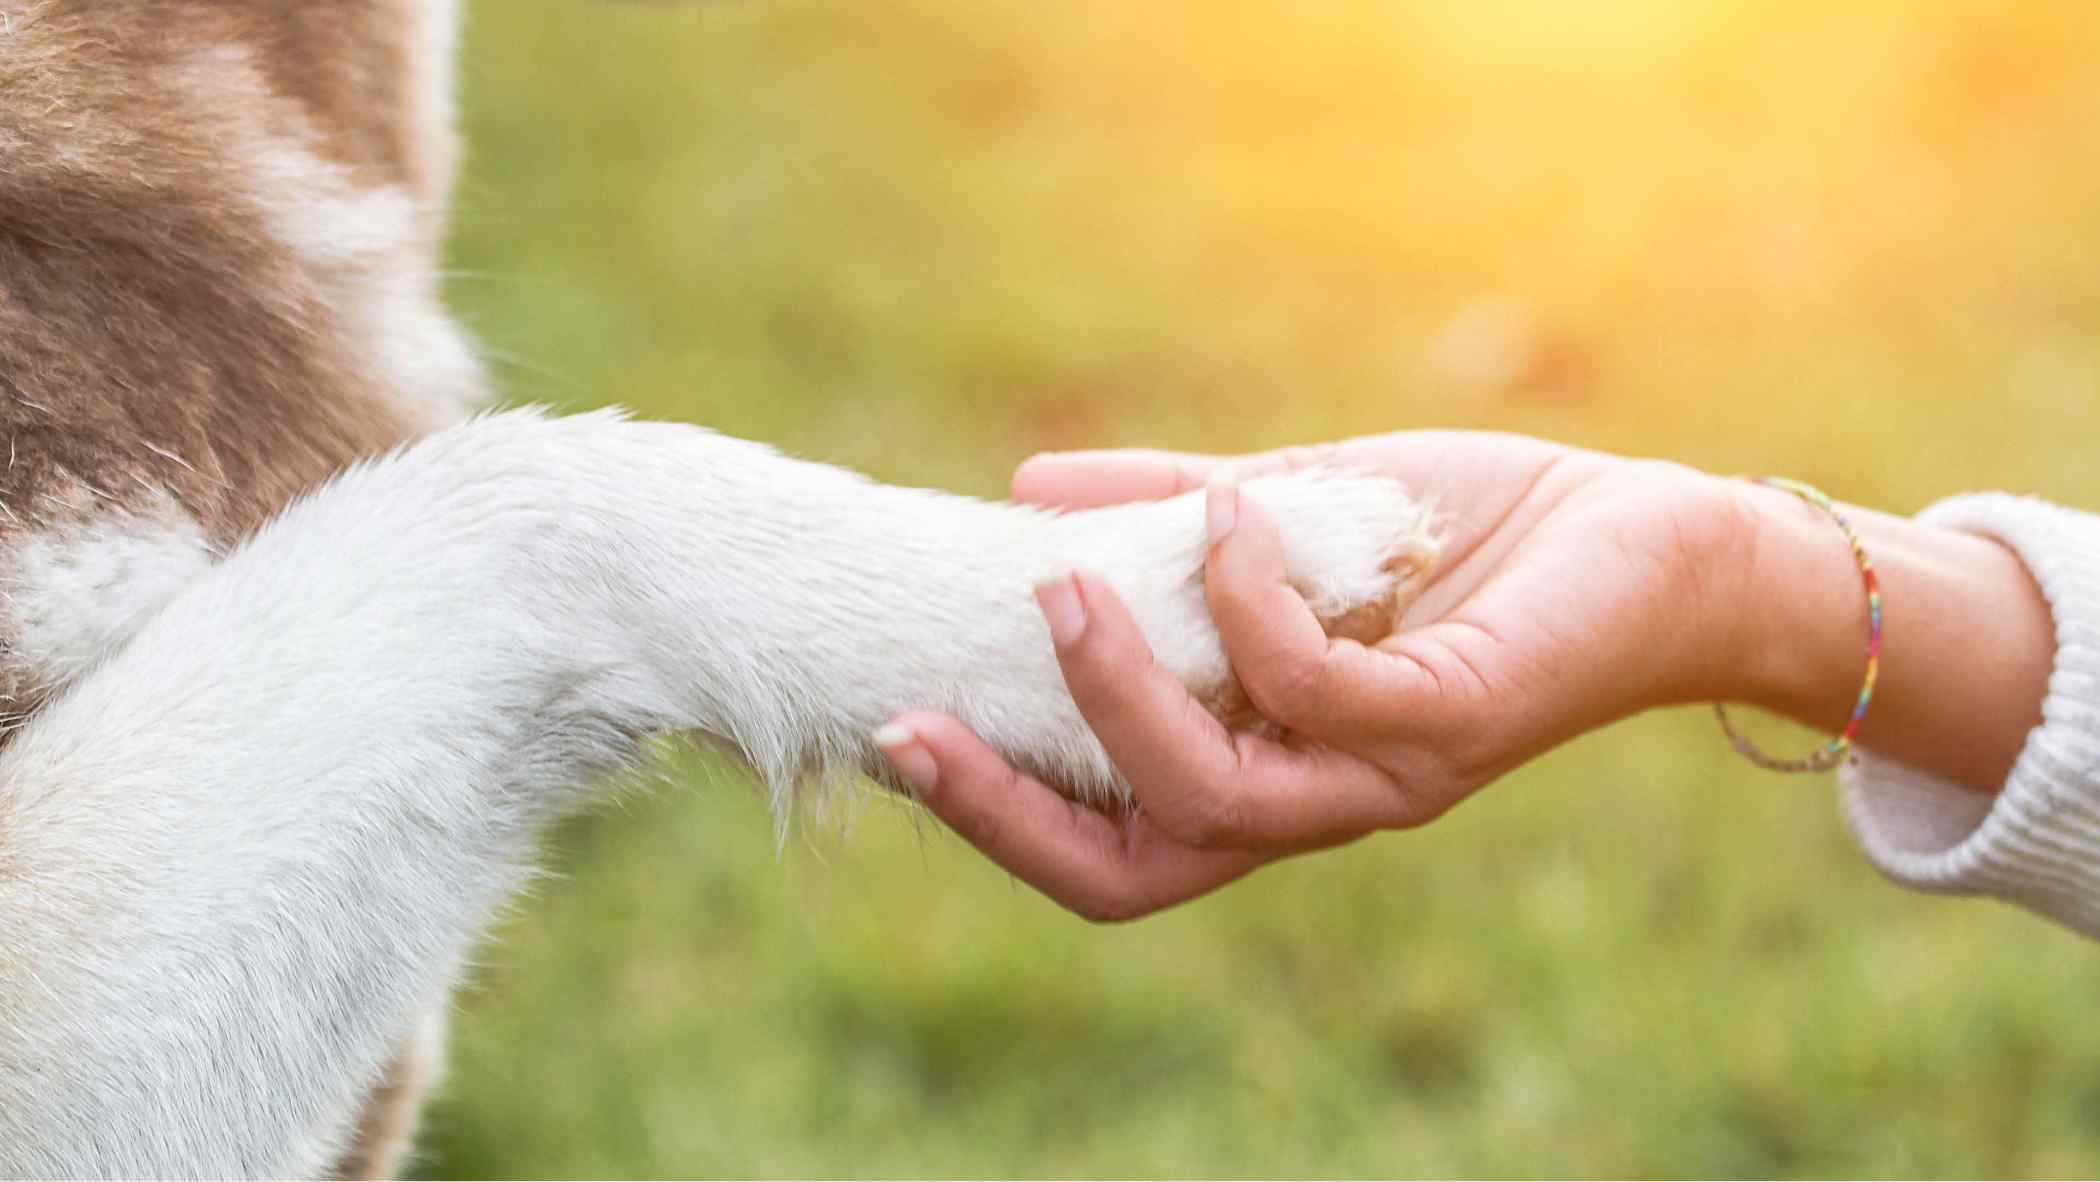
1970 640
1797 625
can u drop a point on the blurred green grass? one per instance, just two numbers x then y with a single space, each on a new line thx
1853 243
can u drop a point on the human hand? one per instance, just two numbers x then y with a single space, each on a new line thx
1575 588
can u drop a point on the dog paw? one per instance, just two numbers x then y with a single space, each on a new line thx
1357 549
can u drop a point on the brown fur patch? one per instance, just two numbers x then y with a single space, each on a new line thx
151 330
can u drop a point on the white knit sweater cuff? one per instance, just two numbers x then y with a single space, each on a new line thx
2037 843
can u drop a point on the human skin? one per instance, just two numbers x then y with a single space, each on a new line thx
1575 589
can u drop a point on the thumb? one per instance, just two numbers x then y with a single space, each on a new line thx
1335 691
1089 479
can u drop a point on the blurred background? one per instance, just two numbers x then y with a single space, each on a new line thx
1854 243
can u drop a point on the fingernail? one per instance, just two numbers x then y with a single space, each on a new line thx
1062 609
1221 509
901 746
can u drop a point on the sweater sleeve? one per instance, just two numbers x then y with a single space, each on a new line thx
2037 843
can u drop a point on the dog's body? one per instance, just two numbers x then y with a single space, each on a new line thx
299 658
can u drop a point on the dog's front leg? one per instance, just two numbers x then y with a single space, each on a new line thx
241 858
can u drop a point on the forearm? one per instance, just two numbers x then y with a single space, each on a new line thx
1968 638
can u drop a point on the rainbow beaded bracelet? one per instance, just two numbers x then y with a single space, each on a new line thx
1840 748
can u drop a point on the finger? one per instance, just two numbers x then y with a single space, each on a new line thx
1198 782
1089 479
1102 869
1335 691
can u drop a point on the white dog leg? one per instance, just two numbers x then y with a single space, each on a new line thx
242 857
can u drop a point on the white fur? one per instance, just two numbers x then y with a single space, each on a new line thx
434 45
244 857
73 593
371 247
